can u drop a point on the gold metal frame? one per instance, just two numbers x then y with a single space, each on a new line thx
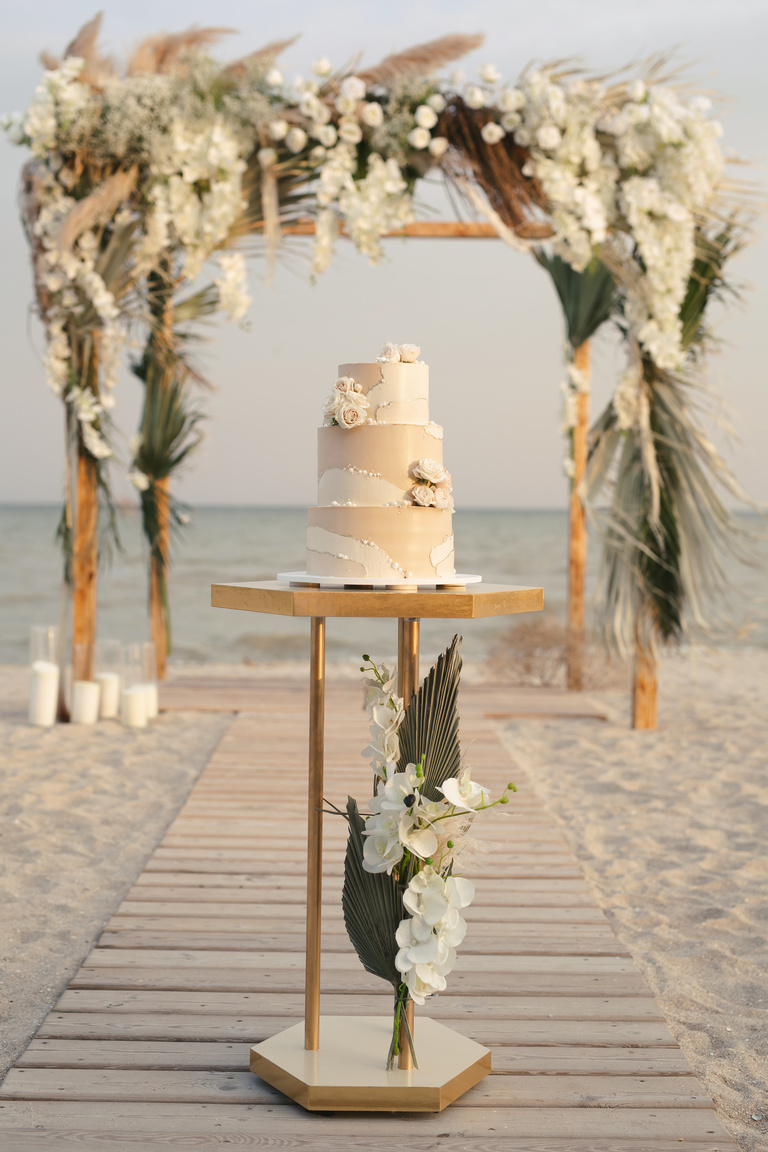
323 1077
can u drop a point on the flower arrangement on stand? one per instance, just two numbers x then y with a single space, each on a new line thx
403 893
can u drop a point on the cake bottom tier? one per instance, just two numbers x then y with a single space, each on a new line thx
407 542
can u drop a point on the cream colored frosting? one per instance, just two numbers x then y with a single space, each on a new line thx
371 464
397 393
411 542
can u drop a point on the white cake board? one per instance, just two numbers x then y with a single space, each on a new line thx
458 581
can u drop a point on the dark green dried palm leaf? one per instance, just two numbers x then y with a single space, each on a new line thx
372 903
588 298
430 727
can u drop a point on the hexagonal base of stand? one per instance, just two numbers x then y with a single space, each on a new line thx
348 1072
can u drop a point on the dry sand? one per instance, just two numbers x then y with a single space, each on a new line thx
81 809
671 828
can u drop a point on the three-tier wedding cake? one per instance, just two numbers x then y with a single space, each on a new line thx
384 498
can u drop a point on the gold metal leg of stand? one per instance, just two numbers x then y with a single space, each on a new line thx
315 832
407 683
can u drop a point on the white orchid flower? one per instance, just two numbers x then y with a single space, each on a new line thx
463 793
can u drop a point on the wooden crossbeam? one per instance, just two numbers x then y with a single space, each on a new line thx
437 230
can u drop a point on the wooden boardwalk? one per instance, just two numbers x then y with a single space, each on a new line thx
148 1047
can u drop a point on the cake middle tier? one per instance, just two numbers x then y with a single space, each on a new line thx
371 465
401 543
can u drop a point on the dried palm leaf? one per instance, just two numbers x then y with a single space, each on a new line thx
160 54
497 168
98 69
372 903
422 58
430 729
100 205
587 298
269 52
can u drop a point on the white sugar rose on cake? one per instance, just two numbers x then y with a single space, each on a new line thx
384 504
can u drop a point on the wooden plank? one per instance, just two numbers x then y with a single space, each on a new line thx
349 964
519 944
638 1124
35 1140
206 1087
235 1056
248 980
276 912
252 1029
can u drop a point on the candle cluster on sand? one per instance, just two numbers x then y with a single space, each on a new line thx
114 682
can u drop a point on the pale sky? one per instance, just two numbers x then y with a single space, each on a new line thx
486 318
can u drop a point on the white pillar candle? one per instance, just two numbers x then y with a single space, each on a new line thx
43 693
110 694
153 701
85 702
133 706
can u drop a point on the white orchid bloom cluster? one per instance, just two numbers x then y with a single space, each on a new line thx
428 938
385 709
347 404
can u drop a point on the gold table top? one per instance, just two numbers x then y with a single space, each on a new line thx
472 602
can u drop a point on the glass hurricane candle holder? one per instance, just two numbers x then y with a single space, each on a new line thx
133 697
85 690
108 663
43 675
149 672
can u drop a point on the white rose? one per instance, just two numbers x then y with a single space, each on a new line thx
489 74
425 116
274 77
390 354
510 121
327 135
331 407
350 131
474 97
139 480
351 414
548 137
318 154
267 157
278 129
492 132
429 470
322 66
353 88
423 495
442 498
409 353
296 139
511 100
436 101
345 105
438 146
419 138
372 114
347 386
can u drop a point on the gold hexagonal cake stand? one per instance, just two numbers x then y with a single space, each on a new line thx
338 1063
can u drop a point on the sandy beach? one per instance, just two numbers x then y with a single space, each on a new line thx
670 828
81 809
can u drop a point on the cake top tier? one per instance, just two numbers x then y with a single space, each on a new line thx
391 390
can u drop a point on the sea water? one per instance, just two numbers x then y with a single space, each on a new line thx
234 544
